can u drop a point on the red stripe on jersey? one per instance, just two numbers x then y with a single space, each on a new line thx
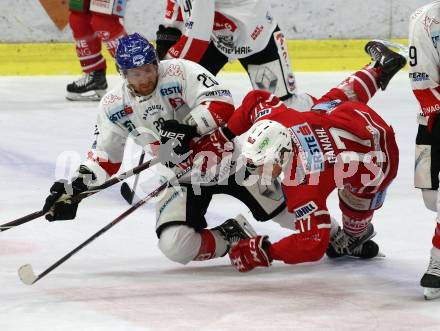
220 111
429 103
195 48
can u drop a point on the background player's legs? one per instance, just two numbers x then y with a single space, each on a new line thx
212 60
88 50
270 69
109 29
427 172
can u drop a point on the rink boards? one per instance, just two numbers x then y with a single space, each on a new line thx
60 58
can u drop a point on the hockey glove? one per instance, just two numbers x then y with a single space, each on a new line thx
58 205
175 141
218 142
211 148
250 253
165 39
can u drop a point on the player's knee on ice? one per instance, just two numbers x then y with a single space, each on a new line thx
179 243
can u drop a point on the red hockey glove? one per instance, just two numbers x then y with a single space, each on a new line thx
250 253
218 142
209 150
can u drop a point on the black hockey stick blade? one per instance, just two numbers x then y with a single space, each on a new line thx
127 193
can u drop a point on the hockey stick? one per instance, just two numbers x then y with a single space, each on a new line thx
79 197
26 273
127 192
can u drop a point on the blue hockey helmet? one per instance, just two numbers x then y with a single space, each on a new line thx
134 51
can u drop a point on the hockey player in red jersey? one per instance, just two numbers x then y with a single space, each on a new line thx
212 33
424 66
341 143
91 24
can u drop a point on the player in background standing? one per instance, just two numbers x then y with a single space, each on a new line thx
93 22
213 33
424 74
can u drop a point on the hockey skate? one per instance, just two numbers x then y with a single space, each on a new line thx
343 244
235 229
90 87
431 279
389 61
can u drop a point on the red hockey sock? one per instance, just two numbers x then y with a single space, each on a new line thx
109 29
207 246
355 222
361 86
88 45
436 238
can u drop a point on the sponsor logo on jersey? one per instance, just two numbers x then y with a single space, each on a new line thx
324 140
218 93
221 22
258 29
170 88
263 112
242 50
119 114
310 152
130 127
176 103
428 22
418 76
431 109
109 99
435 37
326 106
152 110
189 24
305 210
251 140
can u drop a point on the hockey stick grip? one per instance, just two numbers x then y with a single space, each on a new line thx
79 197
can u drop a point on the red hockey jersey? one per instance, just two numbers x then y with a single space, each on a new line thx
338 144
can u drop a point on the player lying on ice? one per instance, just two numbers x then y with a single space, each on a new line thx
178 98
339 143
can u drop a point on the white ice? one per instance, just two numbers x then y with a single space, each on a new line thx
122 282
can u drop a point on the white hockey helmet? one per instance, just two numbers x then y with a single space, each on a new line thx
266 142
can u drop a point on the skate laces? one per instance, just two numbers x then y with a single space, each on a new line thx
341 241
84 80
434 267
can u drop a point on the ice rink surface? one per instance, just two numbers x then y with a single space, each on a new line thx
122 282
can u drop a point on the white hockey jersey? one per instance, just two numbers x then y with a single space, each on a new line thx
238 28
424 59
185 91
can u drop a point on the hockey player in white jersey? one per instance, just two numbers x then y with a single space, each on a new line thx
213 33
424 74
156 101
